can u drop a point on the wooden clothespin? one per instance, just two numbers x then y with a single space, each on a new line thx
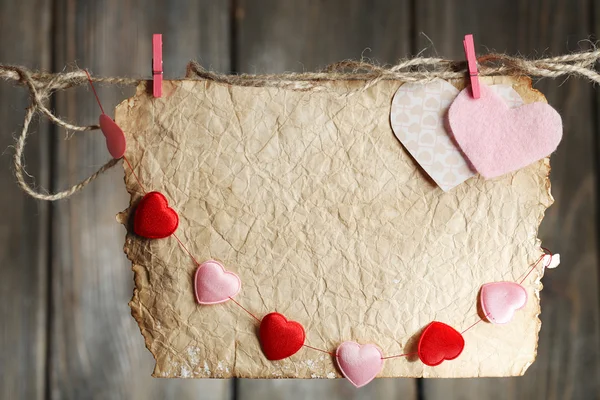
469 46
157 65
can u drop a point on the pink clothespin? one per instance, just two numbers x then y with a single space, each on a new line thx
472 64
157 65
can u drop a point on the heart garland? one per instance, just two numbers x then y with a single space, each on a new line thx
281 338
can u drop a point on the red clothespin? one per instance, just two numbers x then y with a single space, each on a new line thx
472 64
157 65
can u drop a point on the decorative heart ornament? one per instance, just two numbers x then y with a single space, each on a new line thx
279 337
551 261
439 342
497 139
500 300
359 364
115 138
213 284
154 219
418 118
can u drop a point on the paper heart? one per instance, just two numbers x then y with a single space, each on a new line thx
500 300
279 337
359 364
115 138
213 284
418 120
497 139
439 342
154 219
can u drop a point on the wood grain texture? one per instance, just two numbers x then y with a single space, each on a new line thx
277 36
23 227
568 352
97 351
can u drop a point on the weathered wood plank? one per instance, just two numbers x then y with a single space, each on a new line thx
276 36
24 225
568 354
97 350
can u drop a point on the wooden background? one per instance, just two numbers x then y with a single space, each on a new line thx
65 327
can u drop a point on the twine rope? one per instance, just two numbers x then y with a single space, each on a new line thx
41 85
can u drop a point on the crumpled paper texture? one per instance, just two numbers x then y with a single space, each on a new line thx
309 197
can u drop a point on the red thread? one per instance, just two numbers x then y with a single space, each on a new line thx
463 332
535 265
94 89
400 355
134 174
321 350
244 308
186 249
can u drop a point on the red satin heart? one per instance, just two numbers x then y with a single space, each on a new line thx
439 342
154 219
279 337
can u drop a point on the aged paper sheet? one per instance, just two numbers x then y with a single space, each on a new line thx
313 202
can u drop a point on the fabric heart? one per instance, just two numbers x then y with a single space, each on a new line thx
500 300
359 364
213 284
115 138
418 120
551 260
439 342
279 337
154 219
497 139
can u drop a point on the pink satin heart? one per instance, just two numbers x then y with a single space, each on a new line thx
500 300
359 364
213 284
497 139
115 138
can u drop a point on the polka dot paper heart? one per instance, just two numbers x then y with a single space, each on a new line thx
114 136
154 219
439 342
213 284
279 337
500 300
418 120
359 364
497 139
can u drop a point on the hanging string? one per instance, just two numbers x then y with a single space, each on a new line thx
41 85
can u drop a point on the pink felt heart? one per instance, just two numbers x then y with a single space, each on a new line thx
500 300
497 139
417 117
213 284
359 364
115 138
